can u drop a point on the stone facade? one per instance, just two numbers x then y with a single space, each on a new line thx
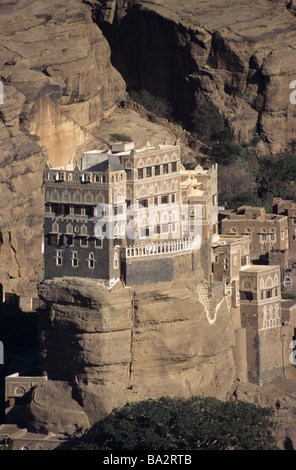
21 439
230 253
262 336
106 207
260 306
288 209
267 232
17 388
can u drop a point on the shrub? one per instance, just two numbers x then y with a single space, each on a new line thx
120 138
179 424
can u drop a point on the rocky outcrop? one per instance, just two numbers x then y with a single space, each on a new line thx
59 60
134 343
53 410
58 83
239 55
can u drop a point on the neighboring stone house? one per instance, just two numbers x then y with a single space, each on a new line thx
254 293
267 232
288 208
229 254
260 306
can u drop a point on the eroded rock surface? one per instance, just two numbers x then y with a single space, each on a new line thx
58 82
52 409
238 54
129 344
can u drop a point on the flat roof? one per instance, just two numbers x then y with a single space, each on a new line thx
259 268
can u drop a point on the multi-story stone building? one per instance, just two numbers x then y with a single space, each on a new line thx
254 295
138 216
260 305
288 208
267 232
229 254
134 215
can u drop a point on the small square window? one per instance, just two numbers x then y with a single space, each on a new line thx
84 242
98 243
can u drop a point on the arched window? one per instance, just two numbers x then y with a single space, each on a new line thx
70 228
91 261
77 197
55 227
54 196
100 199
288 283
66 197
88 198
83 230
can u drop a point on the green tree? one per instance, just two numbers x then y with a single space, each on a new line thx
206 120
276 177
179 424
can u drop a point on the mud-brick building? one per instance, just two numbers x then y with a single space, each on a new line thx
267 232
128 214
229 254
263 334
288 208
260 308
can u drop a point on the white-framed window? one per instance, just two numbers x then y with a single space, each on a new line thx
115 260
74 259
91 261
59 258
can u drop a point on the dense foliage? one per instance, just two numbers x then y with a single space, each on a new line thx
245 177
179 424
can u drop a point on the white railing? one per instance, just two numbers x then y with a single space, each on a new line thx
160 248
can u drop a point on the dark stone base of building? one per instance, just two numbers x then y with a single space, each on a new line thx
139 271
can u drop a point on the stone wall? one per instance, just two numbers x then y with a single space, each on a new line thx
145 270
271 361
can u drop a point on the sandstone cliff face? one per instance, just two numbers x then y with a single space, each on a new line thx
53 410
239 55
58 83
129 344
